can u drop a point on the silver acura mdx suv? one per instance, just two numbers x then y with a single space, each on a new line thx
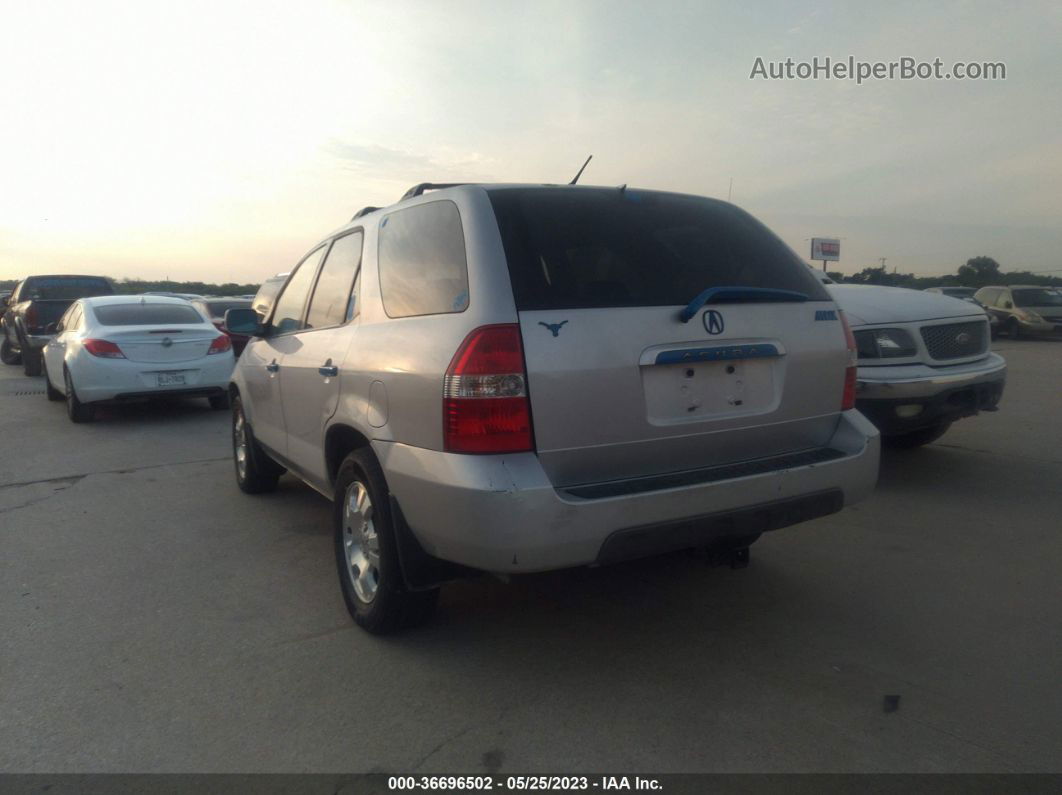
516 378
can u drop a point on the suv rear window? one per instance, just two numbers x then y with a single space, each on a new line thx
423 270
581 248
47 288
147 315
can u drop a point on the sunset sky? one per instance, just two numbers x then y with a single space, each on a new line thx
218 140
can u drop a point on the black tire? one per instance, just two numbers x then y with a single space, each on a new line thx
31 361
9 355
259 473
391 606
919 438
53 393
75 409
1014 329
219 402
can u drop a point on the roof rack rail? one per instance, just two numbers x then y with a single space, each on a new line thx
417 190
364 211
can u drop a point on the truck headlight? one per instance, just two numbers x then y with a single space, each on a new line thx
1032 317
885 343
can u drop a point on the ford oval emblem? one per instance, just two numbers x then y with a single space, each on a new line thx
713 322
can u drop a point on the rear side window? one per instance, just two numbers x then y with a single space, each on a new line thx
1041 296
287 316
986 296
423 270
267 293
332 295
581 248
147 315
63 288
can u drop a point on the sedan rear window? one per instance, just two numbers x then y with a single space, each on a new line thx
147 315
581 248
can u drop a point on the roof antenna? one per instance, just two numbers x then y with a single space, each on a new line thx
581 170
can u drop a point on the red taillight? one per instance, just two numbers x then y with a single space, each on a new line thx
220 345
848 397
485 405
103 349
30 317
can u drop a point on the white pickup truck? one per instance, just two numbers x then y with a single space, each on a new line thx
924 360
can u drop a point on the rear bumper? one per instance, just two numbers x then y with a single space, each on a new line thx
123 380
903 399
1046 329
501 513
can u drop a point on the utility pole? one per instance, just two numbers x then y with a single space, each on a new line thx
730 189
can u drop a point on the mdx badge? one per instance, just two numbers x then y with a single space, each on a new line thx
713 322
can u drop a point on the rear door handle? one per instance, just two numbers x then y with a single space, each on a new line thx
328 369
272 366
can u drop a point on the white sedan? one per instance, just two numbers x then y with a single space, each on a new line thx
129 347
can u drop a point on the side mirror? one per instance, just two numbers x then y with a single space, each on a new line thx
51 328
243 321
1008 305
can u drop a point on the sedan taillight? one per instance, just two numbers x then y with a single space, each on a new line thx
220 345
103 349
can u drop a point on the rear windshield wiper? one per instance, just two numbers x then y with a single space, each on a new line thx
740 295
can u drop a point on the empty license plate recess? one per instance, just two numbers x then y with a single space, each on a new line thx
698 384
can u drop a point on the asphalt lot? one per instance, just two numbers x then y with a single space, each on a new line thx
156 619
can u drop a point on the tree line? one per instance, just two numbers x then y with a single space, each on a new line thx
977 272
134 286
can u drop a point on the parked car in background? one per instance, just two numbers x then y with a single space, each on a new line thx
36 303
967 294
953 292
267 293
524 378
214 308
185 296
1024 309
924 360
129 347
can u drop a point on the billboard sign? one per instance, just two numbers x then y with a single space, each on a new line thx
826 248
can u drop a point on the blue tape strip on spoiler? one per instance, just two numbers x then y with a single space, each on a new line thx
723 353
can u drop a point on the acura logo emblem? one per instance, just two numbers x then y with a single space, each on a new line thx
713 322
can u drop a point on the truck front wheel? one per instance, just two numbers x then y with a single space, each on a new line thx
8 355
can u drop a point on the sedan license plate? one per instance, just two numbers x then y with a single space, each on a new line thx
170 379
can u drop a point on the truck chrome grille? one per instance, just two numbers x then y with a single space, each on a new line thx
956 340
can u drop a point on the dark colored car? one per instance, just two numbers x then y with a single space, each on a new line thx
214 309
35 306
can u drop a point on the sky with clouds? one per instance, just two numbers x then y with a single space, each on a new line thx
219 140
